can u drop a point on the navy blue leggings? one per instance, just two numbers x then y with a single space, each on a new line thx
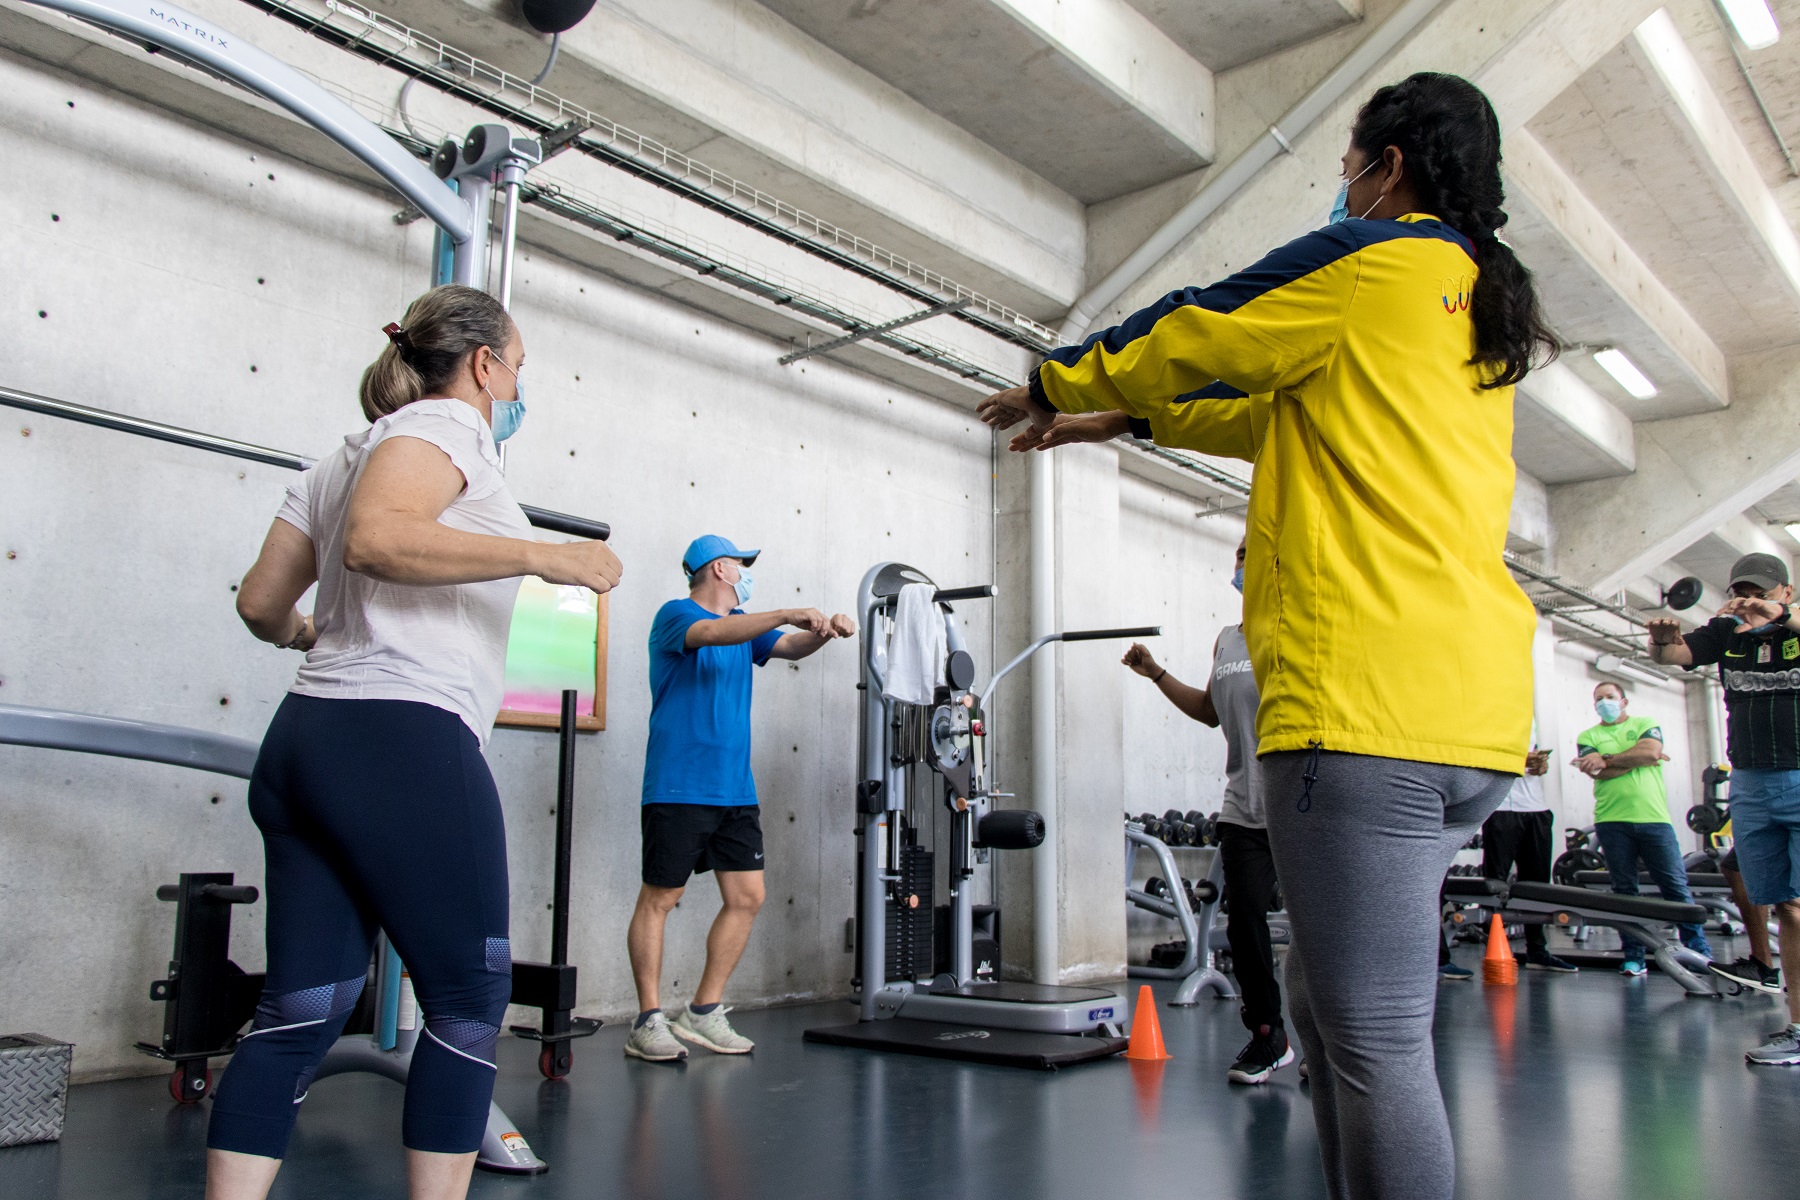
375 814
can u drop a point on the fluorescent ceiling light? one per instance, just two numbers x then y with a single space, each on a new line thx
1754 23
1624 668
1794 531
1625 372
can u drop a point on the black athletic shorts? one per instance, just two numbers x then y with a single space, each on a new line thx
685 839
1729 862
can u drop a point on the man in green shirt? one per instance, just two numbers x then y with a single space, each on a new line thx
1623 756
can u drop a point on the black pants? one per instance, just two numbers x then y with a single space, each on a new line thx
374 814
1250 885
1519 840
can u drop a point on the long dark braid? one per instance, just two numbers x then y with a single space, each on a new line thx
1449 138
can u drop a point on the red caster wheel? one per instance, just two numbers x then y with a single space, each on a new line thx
552 1064
190 1081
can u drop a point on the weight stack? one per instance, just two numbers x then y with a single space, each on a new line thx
34 1087
909 917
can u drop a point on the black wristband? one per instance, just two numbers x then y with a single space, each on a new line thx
1159 678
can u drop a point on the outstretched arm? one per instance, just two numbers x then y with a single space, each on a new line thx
1195 702
804 642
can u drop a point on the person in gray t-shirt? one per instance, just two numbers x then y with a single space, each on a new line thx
1228 703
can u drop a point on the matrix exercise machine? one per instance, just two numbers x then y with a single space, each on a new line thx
906 1004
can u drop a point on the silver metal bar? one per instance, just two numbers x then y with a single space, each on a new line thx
471 259
858 335
511 175
120 737
151 429
221 51
542 518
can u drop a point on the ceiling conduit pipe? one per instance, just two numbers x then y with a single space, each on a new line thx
1227 183
222 52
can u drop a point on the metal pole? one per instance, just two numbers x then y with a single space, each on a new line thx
511 176
472 256
565 833
1046 957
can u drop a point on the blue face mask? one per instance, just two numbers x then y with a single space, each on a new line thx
508 415
1340 210
1609 710
1237 580
743 587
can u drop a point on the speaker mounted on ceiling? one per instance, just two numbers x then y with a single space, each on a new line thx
555 16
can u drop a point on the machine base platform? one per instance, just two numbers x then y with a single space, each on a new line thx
998 1047
1012 992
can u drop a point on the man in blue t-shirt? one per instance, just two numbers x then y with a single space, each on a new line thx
699 811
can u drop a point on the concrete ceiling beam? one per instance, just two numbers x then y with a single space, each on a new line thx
1136 63
1596 289
1693 475
1523 53
1229 33
1092 97
1714 134
1564 431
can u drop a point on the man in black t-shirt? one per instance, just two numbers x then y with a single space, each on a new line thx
1755 640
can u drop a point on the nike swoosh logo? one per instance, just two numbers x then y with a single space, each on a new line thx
1737 654
759 854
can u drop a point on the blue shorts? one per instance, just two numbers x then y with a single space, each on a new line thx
1765 827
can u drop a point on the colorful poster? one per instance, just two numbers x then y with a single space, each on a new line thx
551 647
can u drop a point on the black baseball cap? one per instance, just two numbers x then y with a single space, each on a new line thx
1764 570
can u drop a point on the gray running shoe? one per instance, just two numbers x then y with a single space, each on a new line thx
1782 1050
652 1043
712 1031
1747 972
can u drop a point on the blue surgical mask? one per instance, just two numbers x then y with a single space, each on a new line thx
1237 580
1340 209
1609 710
507 415
744 586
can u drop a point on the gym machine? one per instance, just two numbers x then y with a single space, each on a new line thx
905 1004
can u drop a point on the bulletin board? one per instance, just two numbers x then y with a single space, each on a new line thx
557 641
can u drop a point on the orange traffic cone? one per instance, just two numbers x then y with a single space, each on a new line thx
1146 1031
1498 965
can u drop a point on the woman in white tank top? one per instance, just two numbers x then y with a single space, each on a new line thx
376 806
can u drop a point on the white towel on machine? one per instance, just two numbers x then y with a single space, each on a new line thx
916 648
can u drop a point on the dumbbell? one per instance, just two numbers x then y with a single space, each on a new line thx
1204 833
1157 886
1200 894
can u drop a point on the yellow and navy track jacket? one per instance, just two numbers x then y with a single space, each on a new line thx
1380 616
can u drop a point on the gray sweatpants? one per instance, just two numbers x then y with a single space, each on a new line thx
1361 854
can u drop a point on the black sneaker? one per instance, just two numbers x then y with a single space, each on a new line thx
1549 962
1266 1054
1748 972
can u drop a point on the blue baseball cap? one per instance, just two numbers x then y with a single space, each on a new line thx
706 548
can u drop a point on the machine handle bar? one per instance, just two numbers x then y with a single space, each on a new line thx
979 591
229 893
1073 635
1096 635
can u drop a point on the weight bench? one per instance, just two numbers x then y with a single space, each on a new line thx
1643 917
1709 889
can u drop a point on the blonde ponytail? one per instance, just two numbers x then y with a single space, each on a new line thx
425 352
388 385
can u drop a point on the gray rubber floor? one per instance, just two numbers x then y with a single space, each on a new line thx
1587 1086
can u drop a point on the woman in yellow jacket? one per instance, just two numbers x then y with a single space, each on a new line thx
1367 370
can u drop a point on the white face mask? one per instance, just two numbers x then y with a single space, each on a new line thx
744 586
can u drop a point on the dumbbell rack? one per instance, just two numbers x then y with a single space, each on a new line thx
1196 970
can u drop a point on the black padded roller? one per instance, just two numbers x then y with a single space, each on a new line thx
1011 829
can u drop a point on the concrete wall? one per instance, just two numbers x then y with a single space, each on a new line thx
179 281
